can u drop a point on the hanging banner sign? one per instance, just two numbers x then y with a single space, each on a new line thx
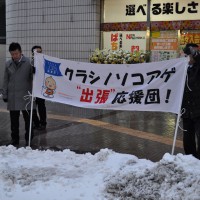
154 86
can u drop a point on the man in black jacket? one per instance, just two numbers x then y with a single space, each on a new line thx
191 103
41 122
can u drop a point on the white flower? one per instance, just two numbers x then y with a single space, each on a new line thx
118 57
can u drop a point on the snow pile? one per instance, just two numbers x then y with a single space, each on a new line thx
47 175
174 177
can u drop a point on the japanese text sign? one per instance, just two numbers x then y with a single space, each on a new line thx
126 40
154 86
190 38
136 11
164 44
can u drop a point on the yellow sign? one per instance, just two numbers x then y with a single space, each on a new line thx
190 38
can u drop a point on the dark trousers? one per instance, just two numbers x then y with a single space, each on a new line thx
42 120
191 136
14 118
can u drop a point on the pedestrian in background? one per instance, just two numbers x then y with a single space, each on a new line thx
41 122
191 103
17 84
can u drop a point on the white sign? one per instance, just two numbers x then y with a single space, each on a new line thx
154 86
126 40
115 11
136 11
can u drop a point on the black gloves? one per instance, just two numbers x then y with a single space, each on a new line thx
5 100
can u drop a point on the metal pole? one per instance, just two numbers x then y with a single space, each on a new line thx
30 125
179 114
148 25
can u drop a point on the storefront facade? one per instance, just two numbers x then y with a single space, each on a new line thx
74 29
162 28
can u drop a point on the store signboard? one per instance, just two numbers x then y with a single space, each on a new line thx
136 11
126 40
190 38
164 44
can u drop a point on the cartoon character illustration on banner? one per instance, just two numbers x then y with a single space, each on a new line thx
50 87
49 83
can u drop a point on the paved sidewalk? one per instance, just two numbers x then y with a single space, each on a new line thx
144 134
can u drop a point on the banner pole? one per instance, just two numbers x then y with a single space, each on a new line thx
30 125
31 114
179 114
175 134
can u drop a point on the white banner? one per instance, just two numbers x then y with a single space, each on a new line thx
154 86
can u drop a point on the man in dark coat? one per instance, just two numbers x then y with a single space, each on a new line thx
16 86
191 103
41 122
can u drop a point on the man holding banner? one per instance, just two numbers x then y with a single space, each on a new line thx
191 103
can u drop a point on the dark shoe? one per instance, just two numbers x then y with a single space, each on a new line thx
27 143
36 126
41 128
27 139
14 143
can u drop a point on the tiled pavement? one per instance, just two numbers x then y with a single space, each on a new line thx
146 135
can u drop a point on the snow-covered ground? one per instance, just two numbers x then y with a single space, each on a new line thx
107 175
